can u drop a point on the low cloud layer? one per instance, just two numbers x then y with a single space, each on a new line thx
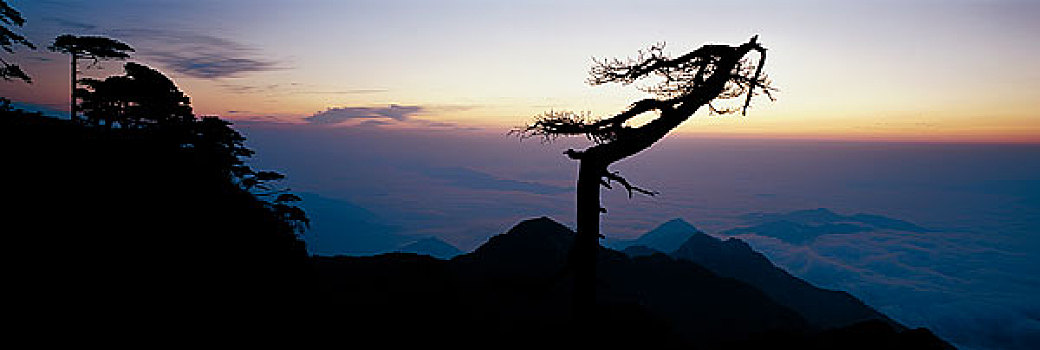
368 115
963 287
970 275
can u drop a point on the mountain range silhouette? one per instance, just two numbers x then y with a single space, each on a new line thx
120 236
517 283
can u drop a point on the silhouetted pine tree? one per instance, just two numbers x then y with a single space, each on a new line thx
682 86
9 18
94 48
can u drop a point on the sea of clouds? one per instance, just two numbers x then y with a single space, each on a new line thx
972 279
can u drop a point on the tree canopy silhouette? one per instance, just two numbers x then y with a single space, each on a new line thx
9 18
142 97
145 100
223 150
94 48
681 86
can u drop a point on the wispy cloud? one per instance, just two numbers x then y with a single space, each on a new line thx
294 89
337 115
393 115
68 24
345 92
198 55
251 89
211 66
186 52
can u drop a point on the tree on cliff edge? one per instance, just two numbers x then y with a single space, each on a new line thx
681 87
94 48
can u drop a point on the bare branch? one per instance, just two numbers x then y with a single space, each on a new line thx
758 72
616 177
550 125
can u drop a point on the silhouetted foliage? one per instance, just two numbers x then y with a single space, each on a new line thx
145 99
142 97
94 48
9 18
682 85
223 147
144 234
224 150
148 221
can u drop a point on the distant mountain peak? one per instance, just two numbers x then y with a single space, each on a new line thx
540 226
538 234
679 223
535 246
431 246
666 237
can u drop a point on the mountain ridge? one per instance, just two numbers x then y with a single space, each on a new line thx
665 237
734 258
518 282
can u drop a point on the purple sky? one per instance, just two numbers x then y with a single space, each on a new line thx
864 70
402 108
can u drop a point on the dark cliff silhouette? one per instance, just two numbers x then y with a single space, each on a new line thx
683 86
141 228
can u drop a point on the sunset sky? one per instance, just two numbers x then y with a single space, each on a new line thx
955 70
397 112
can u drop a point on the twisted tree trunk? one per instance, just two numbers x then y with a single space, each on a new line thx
584 254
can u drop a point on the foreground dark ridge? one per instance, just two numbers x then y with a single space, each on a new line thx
118 235
125 230
516 284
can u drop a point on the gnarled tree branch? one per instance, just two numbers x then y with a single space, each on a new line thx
616 177
681 86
